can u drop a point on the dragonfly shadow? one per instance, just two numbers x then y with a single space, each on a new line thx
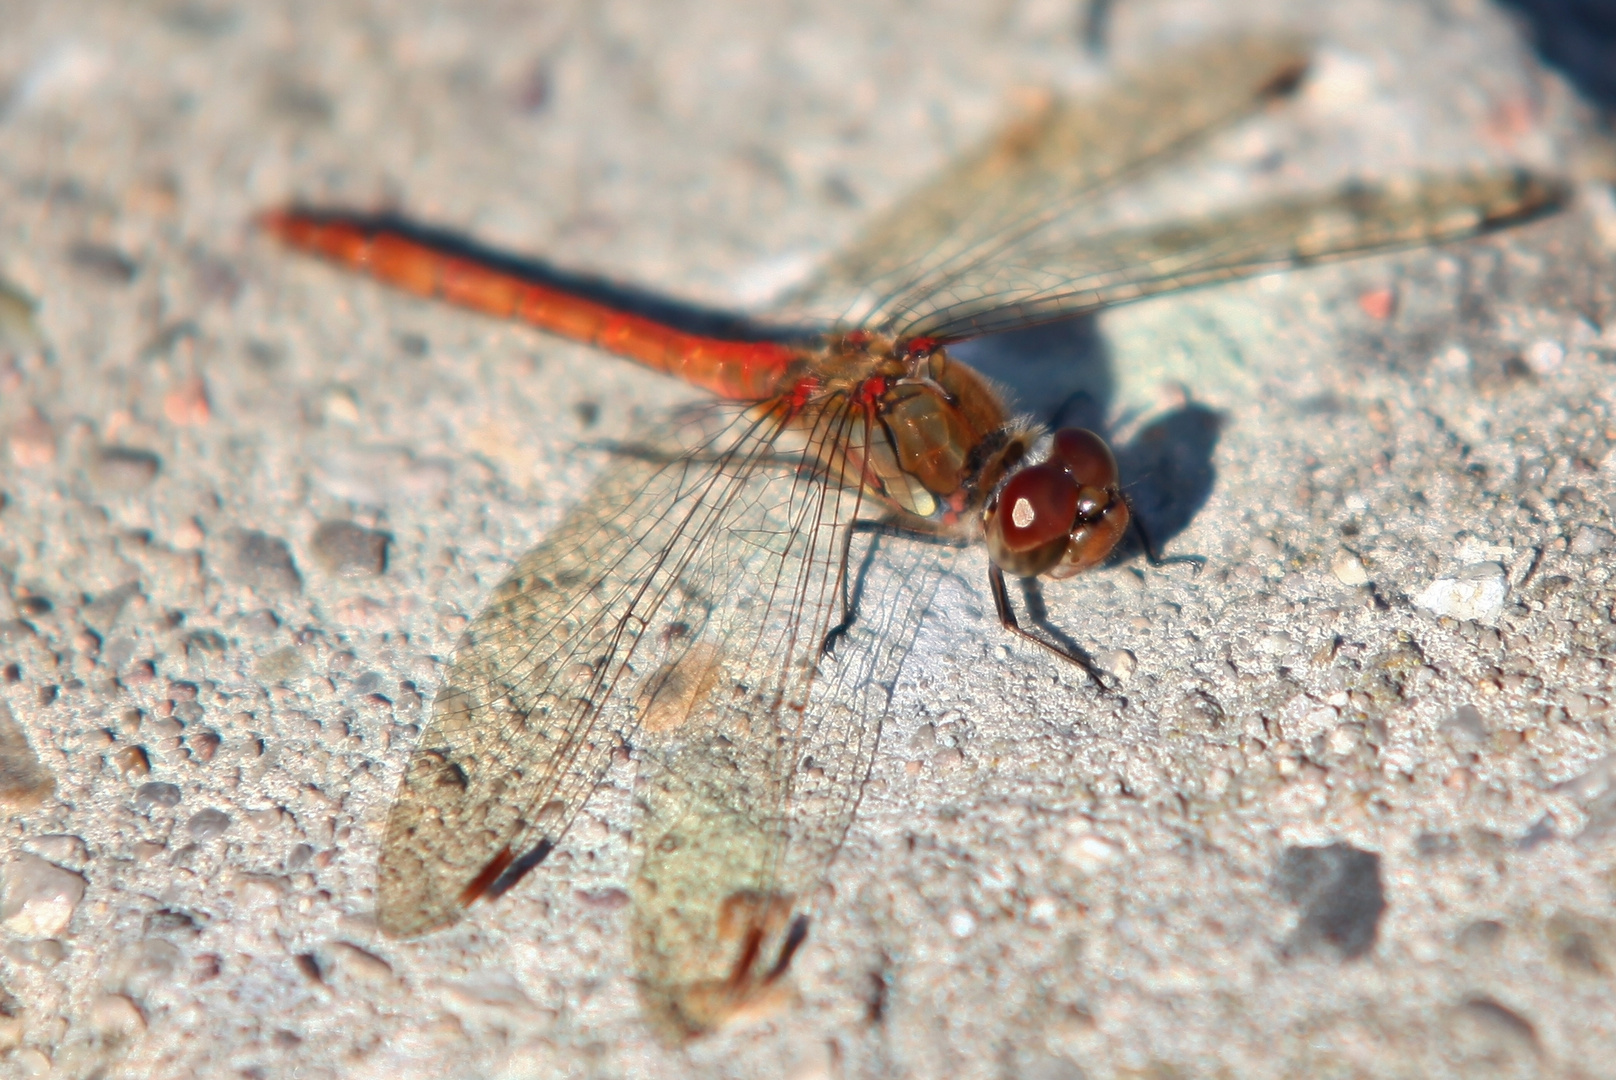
1167 470
1064 375
1061 372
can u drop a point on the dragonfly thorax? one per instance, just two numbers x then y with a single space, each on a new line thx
924 432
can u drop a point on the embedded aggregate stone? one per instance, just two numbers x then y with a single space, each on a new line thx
208 824
261 562
157 794
24 782
1339 892
1474 592
38 898
124 468
349 550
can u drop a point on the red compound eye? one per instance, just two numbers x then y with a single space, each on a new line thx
1027 529
1086 455
1037 505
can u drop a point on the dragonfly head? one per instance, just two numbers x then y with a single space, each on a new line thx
1059 517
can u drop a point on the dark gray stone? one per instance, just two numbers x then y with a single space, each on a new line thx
156 793
342 547
261 562
1339 891
208 824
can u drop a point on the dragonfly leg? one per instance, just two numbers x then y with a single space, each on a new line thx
851 588
1153 553
1057 642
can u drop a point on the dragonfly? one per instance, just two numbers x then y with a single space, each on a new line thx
733 601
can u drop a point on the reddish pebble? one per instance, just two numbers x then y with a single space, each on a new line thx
1378 303
188 405
32 441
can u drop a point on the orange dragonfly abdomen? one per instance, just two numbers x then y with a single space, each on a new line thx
737 370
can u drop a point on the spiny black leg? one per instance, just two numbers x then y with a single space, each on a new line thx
1061 645
1153 554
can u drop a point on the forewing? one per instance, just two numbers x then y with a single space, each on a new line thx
1045 168
555 673
1041 284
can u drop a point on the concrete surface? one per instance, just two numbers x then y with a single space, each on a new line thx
1353 812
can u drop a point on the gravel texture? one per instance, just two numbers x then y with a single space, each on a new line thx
1352 813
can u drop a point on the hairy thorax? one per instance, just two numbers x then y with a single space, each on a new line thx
904 423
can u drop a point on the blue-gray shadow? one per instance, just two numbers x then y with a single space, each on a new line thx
1063 374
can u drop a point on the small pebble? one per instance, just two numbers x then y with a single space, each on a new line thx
1349 569
39 898
24 782
60 848
31 1062
114 1016
1342 739
1275 642
204 745
1339 891
32 442
156 793
260 623
132 761
603 899
106 264
1544 357
188 535
124 468
261 562
350 962
187 405
961 923
208 825
342 405
1473 592
1378 304
1089 853
1119 662
342 547
1589 540
18 330
1466 722
1454 360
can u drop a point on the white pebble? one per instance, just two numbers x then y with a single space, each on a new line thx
31 1062
1120 663
961 923
115 1016
1089 853
1275 642
1591 540
1544 357
39 898
1349 569
1474 592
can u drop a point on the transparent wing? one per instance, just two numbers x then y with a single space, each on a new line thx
743 813
1044 169
694 582
1040 284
